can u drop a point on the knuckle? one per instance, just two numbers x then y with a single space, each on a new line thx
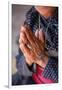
21 45
23 28
22 35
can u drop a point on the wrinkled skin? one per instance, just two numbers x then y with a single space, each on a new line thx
33 45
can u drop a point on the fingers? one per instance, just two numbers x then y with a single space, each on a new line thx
24 49
34 43
40 37
26 53
23 41
23 38
29 35
23 44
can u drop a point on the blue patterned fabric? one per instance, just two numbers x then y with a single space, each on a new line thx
32 20
51 69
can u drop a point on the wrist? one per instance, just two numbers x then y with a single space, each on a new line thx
42 62
29 63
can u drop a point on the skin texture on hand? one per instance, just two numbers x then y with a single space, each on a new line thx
32 45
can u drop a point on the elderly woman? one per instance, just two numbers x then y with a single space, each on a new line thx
39 43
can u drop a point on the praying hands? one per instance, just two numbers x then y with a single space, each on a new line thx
33 46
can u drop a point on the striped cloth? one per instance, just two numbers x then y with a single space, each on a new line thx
32 20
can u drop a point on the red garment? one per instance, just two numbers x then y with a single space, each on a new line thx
38 78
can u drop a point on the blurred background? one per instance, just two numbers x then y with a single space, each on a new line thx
19 68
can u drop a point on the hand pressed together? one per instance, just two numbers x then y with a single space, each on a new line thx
33 46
